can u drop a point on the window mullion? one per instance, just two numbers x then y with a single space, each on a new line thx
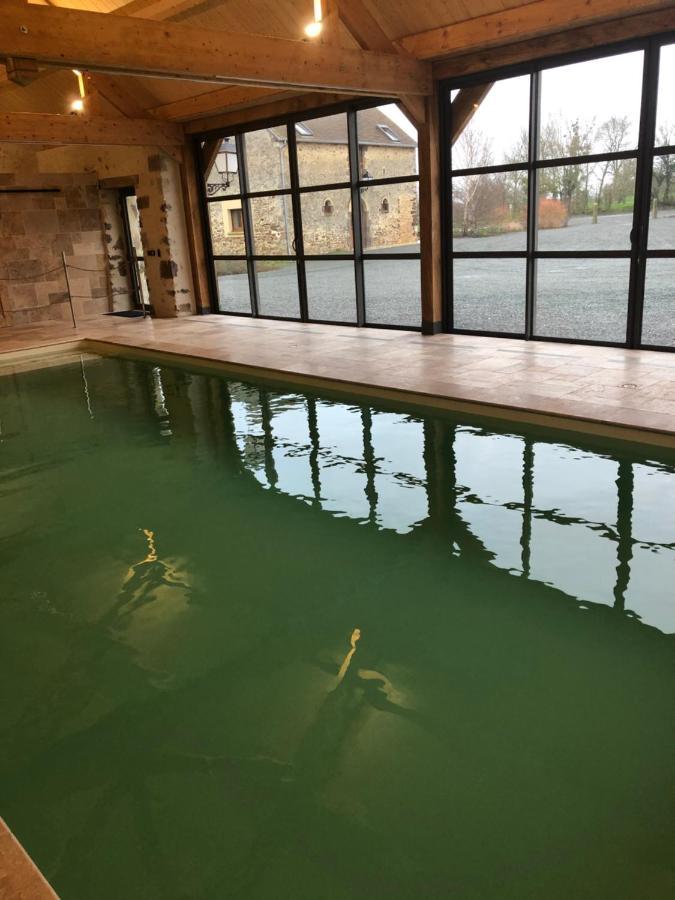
532 195
643 183
354 177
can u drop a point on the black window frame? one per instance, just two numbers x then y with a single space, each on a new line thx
638 253
294 192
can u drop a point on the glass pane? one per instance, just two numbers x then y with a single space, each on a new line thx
665 107
134 219
492 208
331 290
390 217
272 225
387 143
489 295
587 207
497 131
227 228
267 159
591 107
393 292
327 222
582 299
323 153
222 168
662 215
278 288
232 283
658 321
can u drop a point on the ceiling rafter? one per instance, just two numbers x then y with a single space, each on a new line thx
541 17
212 102
43 128
368 34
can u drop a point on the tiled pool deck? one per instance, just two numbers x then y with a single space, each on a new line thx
586 387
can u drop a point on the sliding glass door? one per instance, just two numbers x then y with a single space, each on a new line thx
560 191
316 219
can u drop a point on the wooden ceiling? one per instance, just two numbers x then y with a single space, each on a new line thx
425 29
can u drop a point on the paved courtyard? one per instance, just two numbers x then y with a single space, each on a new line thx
576 298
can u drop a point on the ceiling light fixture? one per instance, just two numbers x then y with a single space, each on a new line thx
77 105
313 29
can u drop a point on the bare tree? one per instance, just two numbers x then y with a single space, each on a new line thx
612 136
664 167
472 150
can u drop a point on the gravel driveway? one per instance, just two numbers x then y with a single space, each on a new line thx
576 298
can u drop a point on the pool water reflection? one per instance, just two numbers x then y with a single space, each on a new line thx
264 643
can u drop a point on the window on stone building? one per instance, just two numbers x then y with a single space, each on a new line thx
236 220
389 134
324 225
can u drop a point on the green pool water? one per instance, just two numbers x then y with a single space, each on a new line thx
262 643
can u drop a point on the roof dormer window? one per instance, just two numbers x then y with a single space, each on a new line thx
388 133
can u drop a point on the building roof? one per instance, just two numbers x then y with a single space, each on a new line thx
331 130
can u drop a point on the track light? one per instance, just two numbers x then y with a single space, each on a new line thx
77 106
313 29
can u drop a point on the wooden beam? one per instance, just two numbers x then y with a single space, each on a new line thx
364 28
465 105
195 231
565 42
536 19
209 153
221 100
21 71
431 251
111 43
40 128
298 104
122 100
368 34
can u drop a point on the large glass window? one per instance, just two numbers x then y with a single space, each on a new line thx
319 218
550 235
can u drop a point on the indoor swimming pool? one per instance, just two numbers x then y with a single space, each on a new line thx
265 642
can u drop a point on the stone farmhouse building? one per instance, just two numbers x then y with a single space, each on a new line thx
389 213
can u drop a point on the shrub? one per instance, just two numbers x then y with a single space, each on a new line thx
552 213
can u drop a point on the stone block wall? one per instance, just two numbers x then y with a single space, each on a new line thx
85 222
35 229
390 213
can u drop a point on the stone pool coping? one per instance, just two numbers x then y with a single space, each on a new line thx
551 385
20 878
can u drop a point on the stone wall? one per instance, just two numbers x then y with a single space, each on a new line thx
95 229
35 229
326 214
159 198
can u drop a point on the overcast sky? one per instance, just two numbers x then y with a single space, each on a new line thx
594 90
